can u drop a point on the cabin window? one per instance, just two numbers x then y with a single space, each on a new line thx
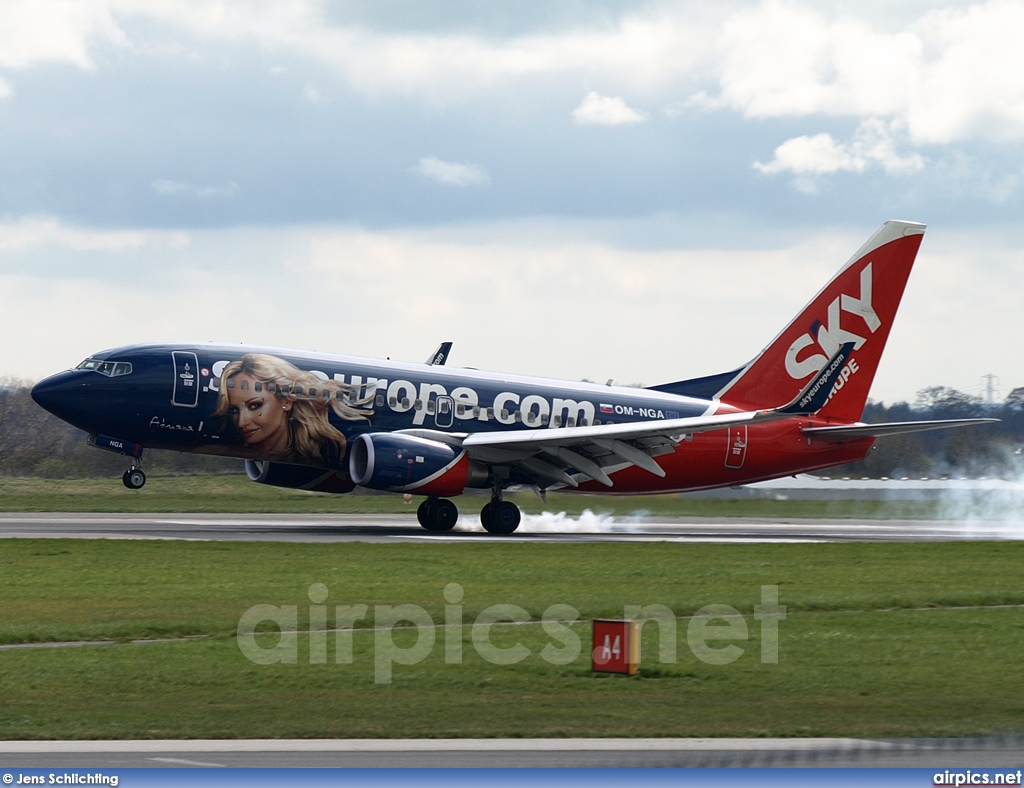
257 386
245 385
271 388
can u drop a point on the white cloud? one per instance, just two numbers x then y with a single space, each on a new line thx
781 59
62 31
451 172
950 74
164 186
598 110
642 48
953 74
32 232
873 144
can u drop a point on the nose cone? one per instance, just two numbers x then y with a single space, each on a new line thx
59 394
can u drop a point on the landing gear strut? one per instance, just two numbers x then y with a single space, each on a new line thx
134 478
498 516
437 514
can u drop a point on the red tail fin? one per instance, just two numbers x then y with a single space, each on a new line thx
858 307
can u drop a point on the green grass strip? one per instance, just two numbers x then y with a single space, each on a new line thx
879 640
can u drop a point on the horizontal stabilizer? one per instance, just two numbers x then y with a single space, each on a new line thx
892 428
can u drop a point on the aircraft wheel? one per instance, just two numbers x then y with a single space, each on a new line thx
500 517
437 514
425 512
134 478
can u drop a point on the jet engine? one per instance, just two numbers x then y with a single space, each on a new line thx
406 463
297 477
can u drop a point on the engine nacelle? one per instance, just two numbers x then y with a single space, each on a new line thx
297 477
405 463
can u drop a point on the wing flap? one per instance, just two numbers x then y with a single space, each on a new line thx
573 454
538 440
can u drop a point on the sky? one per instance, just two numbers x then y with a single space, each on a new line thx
635 191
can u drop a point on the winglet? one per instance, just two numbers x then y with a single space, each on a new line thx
440 355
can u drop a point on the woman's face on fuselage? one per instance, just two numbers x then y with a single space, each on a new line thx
261 417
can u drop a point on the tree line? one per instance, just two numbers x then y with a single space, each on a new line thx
988 450
35 443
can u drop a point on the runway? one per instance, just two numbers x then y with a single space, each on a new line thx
991 752
550 528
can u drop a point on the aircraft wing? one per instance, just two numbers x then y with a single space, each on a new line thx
547 455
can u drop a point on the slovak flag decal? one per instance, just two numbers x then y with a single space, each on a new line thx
607 408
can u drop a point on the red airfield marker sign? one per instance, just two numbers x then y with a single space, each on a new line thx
616 647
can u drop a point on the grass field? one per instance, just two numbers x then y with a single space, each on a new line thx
238 494
879 640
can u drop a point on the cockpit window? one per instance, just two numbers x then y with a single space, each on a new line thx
112 369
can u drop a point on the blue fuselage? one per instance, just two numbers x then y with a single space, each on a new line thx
170 398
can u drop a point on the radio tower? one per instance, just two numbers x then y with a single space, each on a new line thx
990 388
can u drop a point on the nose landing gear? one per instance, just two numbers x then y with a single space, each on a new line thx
134 478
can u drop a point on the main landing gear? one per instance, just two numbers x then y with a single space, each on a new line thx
440 514
498 516
134 478
437 514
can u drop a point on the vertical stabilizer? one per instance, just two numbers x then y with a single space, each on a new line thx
845 326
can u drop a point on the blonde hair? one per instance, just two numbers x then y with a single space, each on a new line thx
309 426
